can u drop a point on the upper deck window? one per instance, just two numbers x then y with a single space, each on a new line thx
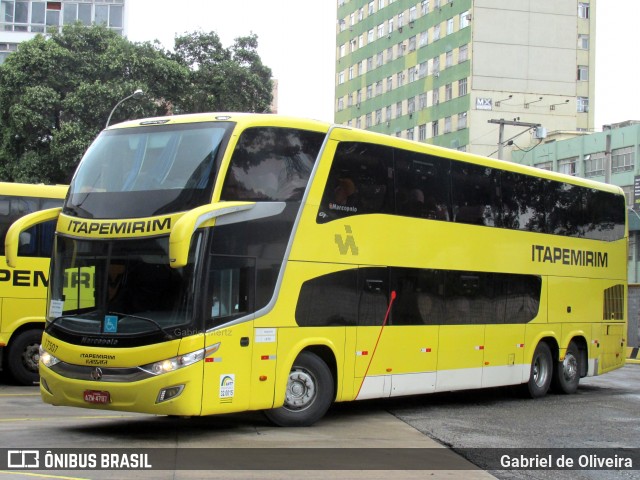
271 164
146 171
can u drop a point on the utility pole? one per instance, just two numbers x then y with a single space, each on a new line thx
514 123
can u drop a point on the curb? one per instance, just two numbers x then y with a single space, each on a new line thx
633 355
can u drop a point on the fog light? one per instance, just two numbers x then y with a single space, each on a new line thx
169 393
45 385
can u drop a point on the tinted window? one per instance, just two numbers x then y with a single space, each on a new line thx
360 182
523 202
38 240
423 297
422 185
474 193
271 164
329 300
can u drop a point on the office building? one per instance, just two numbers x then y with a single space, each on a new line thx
22 20
464 74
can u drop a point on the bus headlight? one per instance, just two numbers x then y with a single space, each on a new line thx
181 361
47 359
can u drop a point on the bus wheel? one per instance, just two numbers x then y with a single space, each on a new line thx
567 373
541 372
309 394
23 355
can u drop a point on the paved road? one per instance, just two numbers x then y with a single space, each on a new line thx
27 423
604 413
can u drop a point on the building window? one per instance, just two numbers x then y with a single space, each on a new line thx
567 165
622 159
351 72
462 87
545 166
367 120
462 120
422 70
379 87
398 109
400 49
450 26
594 165
400 20
412 74
463 53
465 19
583 10
448 92
583 41
389 54
380 4
424 7
390 26
389 84
340 78
436 32
379 59
410 134
435 96
378 117
371 6
436 66
400 79
447 124
448 59
381 31
434 129
388 113
369 64
412 43
424 39
583 104
370 36
340 104
411 105
583 73
422 101
413 14
422 132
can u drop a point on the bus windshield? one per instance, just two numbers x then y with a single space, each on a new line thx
147 171
116 288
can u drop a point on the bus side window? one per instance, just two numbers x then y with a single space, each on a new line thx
230 290
360 182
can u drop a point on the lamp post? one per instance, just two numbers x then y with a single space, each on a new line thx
137 94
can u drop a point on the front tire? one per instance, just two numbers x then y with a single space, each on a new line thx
541 372
23 355
567 373
309 394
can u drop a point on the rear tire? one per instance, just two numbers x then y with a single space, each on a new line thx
22 357
541 372
309 394
567 373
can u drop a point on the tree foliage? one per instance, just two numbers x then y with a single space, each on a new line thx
56 92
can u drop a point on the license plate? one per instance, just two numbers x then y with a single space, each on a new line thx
96 396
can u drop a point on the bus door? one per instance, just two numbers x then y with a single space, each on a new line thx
395 348
229 296
462 333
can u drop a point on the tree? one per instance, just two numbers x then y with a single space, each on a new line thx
56 92
222 79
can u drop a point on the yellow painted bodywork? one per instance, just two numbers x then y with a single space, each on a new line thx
23 282
256 356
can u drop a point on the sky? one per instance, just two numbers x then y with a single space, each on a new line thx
296 39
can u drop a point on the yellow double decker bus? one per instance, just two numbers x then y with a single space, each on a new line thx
23 290
229 262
